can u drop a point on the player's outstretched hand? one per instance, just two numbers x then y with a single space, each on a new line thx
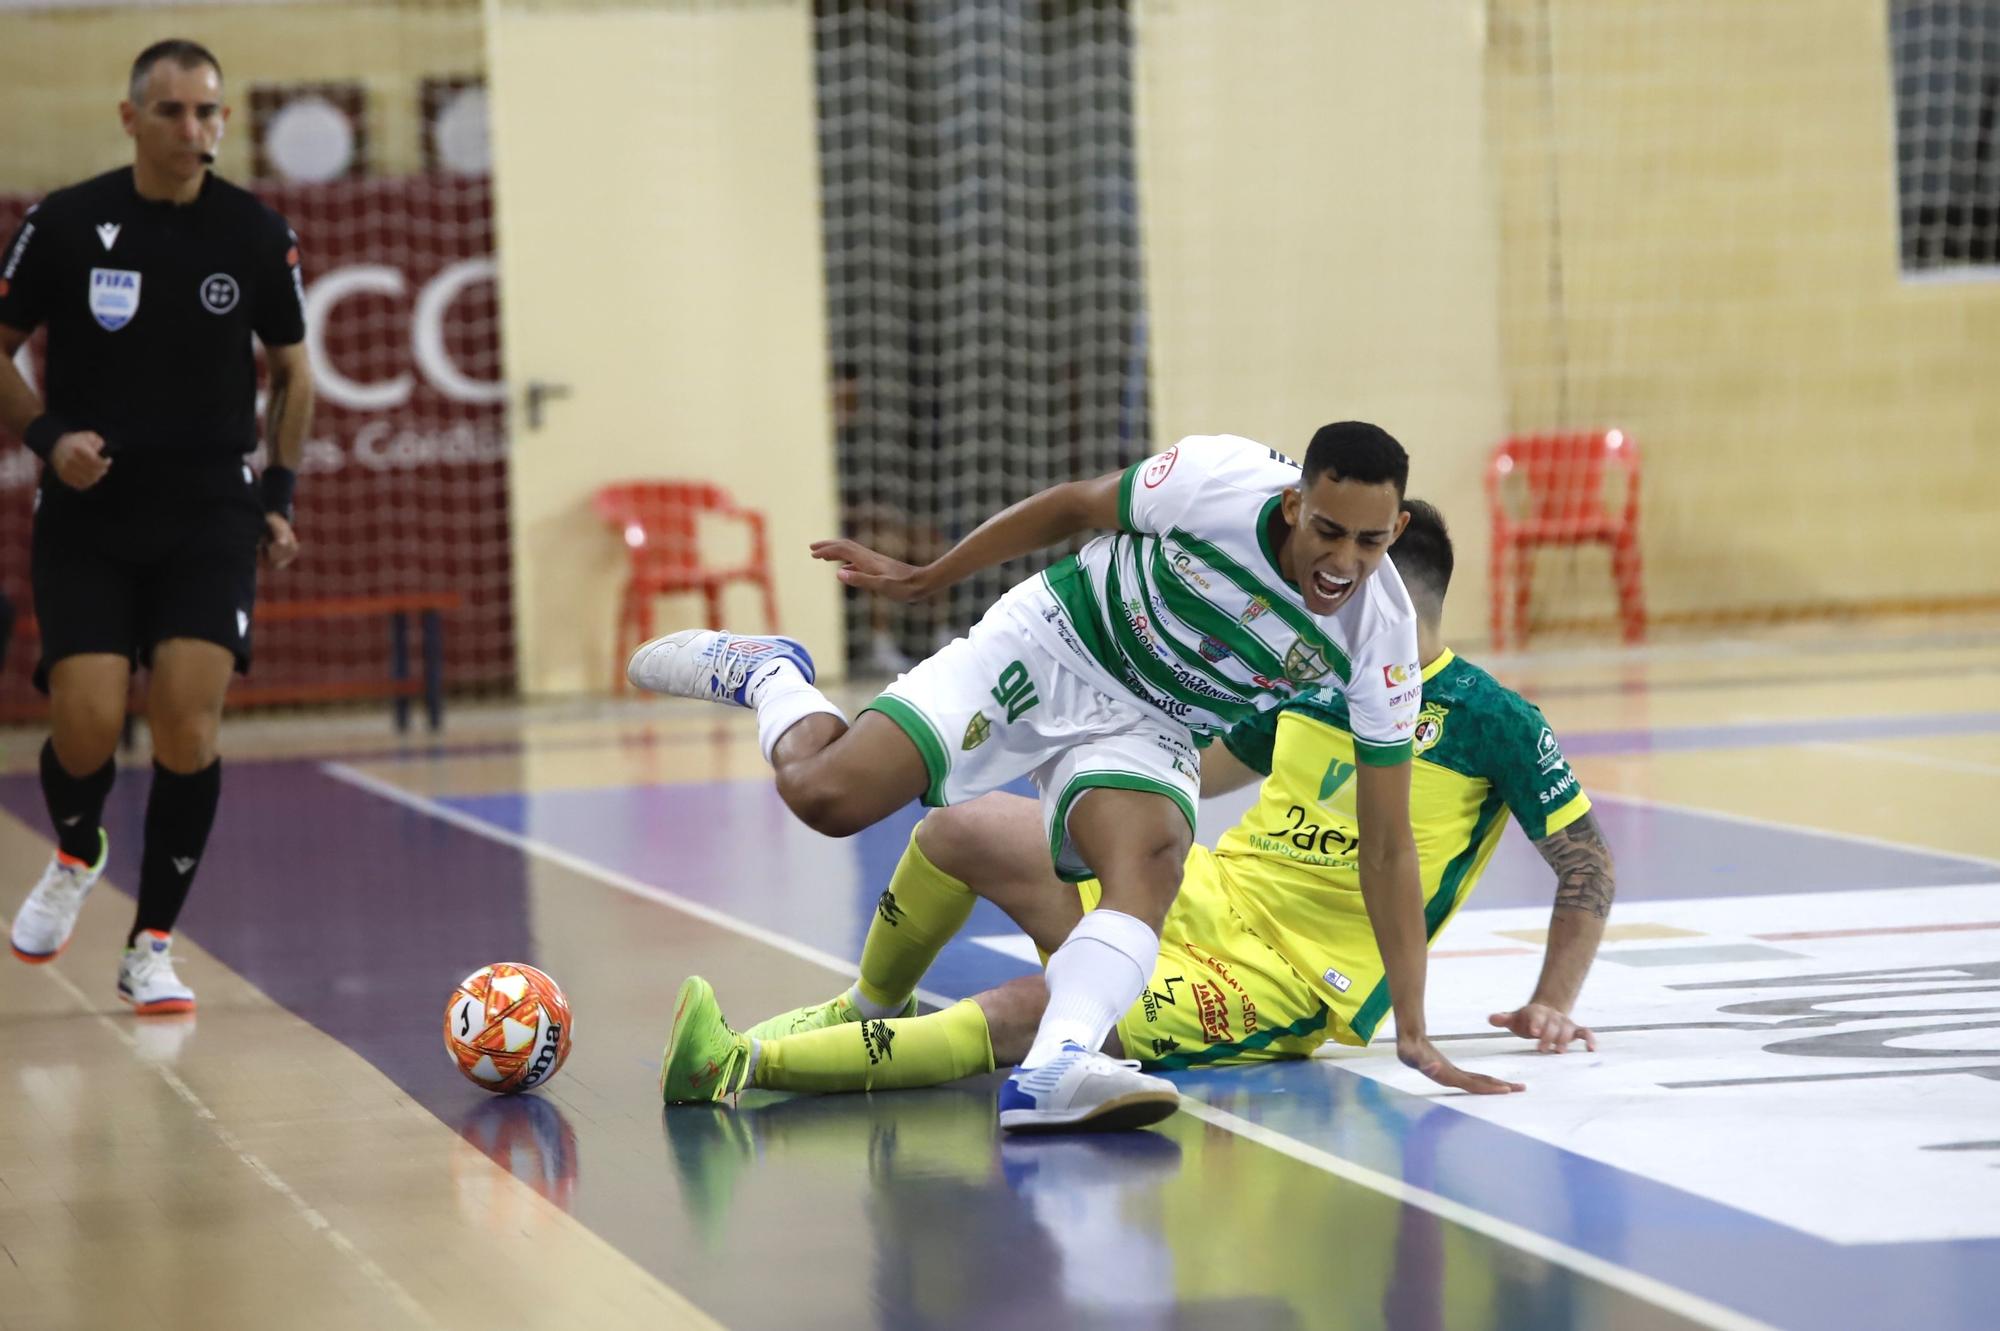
1428 1059
281 543
79 460
871 572
1552 1031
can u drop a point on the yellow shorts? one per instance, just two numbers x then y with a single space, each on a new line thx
1219 994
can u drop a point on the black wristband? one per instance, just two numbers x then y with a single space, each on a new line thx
43 432
276 488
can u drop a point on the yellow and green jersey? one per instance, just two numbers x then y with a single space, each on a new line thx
1482 751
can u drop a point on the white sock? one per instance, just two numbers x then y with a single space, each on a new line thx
783 699
1098 972
870 1009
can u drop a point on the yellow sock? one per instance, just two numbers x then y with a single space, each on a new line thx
915 917
891 1055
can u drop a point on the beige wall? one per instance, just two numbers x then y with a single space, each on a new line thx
1712 191
1320 235
673 279
63 71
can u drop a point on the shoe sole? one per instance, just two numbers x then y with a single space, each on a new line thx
157 1009
38 958
1140 1109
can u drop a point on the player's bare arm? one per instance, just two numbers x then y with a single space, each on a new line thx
78 456
288 418
1584 888
1222 772
1036 523
1392 889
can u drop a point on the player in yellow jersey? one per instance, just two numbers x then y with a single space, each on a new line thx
1268 952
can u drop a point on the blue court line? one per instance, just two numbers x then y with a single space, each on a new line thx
1594 743
1761 734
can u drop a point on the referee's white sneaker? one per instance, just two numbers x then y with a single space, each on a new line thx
712 665
46 919
146 977
1081 1091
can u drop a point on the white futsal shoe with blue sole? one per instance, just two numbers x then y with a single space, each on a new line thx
1079 1091
712 665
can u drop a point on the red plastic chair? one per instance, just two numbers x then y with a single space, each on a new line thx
658 522
1564 477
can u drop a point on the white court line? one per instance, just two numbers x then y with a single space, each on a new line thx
309 1213
1874 754
1631 1282
1639 1286
576 864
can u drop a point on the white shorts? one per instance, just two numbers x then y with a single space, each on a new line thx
996 705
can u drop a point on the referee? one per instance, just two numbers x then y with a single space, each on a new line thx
152 280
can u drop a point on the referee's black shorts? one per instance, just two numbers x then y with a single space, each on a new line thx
122 571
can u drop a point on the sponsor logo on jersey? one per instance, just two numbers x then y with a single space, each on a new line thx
1159 468
1393 675
1213 648
20 248
1559 789
1406 697
108 233
1430 726
1548 754
1163 1046
977 731
1183 563
1304 662
114 297
1341 984
219 293
1214 1012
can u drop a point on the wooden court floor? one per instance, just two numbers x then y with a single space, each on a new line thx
1789 1122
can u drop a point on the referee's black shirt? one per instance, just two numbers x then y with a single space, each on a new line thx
150 307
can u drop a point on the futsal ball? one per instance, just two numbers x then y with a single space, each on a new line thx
507 1027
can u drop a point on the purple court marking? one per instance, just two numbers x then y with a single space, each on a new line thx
1595 743
1763 734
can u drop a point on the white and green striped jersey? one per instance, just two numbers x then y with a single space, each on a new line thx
1185 609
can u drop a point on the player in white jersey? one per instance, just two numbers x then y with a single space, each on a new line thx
1236 579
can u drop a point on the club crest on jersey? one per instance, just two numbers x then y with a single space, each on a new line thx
1304 662
1258 605
219 293
114 297
1430 727
977 731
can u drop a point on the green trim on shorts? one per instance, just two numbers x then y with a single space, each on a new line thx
1105 780
1436 911
1222 1053
937 758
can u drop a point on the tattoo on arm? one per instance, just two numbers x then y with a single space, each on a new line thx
1583 867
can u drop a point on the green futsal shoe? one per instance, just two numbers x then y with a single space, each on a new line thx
704 1060
834 1012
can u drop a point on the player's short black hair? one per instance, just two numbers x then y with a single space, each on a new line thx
1357 451
1422 554
186 54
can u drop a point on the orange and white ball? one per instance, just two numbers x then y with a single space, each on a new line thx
507 1027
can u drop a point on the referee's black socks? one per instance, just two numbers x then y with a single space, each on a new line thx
179 812
76 804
